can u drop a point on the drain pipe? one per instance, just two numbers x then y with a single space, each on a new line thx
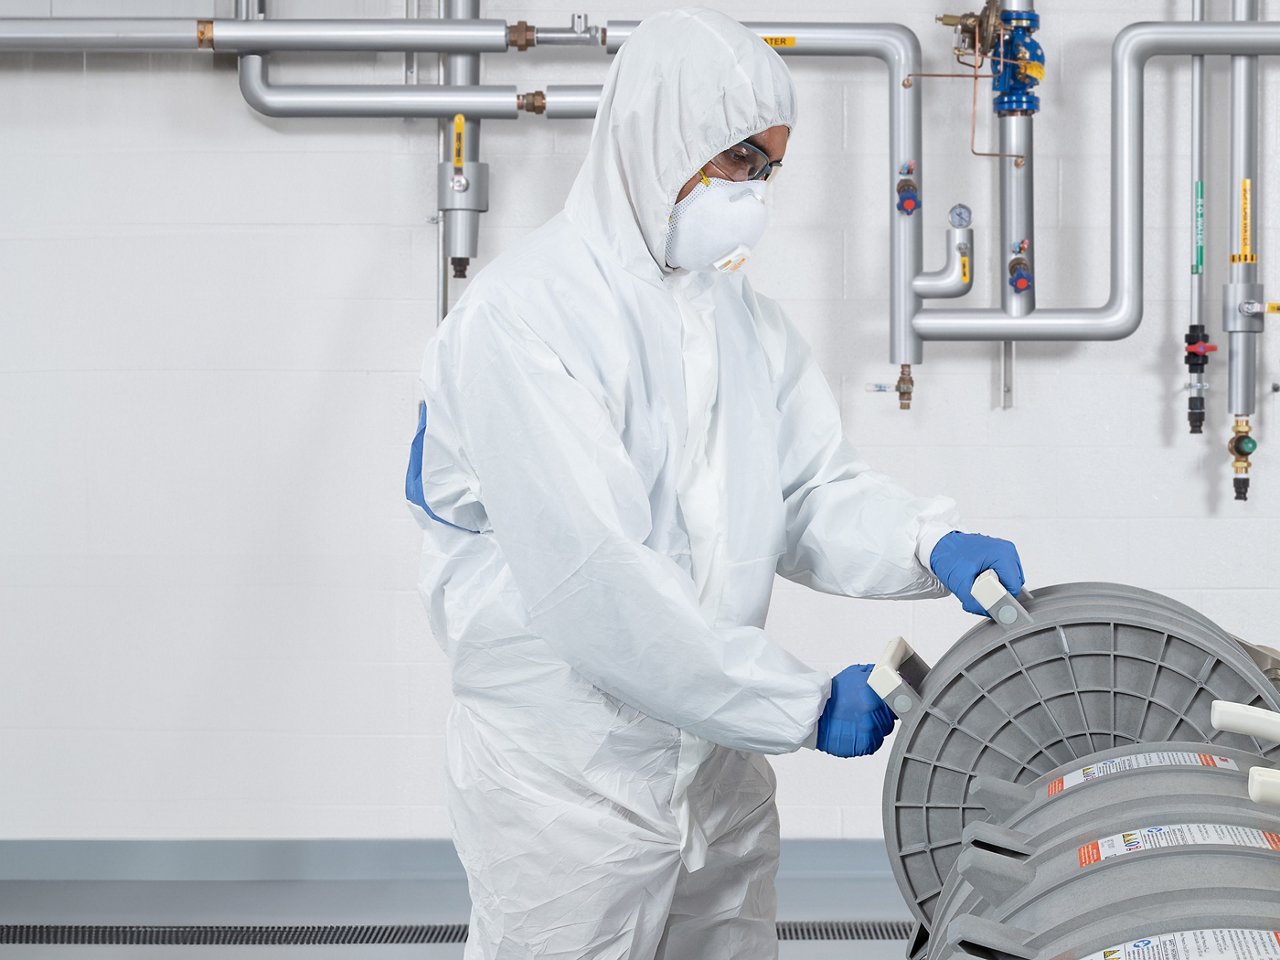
1122 313
1196 341
1242 319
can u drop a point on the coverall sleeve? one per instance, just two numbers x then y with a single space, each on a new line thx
570 513
850 531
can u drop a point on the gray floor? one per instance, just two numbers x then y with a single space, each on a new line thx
130 883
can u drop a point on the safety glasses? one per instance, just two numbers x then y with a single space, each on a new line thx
744 161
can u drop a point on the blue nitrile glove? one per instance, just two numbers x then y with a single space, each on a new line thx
960 557
855 720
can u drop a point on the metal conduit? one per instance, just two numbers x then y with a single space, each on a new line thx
1122 313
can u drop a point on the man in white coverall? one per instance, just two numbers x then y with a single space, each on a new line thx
620 446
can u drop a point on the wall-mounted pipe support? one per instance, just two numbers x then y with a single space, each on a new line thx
1120 316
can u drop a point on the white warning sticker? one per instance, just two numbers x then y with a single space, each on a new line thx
1177 835
1139 761
1221 944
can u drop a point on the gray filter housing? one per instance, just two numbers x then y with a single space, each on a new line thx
1086 667
1019 874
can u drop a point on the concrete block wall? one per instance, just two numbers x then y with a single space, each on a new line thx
212 323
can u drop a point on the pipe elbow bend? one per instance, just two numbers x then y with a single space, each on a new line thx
253 85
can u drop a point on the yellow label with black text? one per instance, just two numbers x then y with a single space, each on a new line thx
459 125
1273 308
1246 219
964 269
780 41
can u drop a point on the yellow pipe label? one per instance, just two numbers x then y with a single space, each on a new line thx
964 269
459 126
1246 220
780 41
1273 308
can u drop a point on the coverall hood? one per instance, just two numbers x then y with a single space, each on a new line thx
686 85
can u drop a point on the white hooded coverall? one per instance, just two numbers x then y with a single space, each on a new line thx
613 461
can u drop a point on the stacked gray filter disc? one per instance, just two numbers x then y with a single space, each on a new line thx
1086 667
1163 837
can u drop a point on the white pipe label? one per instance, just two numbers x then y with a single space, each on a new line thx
1220 944
1177 835
1139 761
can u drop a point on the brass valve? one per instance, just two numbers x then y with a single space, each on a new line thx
975 31
905 387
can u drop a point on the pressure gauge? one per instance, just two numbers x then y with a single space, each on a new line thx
960 216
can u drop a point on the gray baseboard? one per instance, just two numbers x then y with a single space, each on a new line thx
342 883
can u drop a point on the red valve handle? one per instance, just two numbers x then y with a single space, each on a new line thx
1202 348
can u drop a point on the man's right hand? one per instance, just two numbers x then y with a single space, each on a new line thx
855 720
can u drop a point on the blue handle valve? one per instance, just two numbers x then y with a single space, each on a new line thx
908 197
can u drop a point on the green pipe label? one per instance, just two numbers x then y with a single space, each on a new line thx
1198 214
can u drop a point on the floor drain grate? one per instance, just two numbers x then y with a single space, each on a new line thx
844 930
103 934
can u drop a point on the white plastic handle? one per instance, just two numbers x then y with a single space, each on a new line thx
1264 786
897 675
997 601
1250 721
885 677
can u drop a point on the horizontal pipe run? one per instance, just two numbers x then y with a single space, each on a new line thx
411 36
54 35
565 37
803 39
572 101
127 35
478 103
1122 313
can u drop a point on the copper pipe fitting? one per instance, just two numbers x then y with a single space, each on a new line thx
535 102
522 36
204 34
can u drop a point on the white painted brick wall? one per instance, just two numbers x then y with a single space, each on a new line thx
211 326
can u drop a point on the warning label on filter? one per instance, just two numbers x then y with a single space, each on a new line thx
1177 835
1222 944
1139 761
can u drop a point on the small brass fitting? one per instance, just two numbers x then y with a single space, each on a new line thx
535 102
905 387
1240 445
521 35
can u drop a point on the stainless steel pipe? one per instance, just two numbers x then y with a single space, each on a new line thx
318 100
1122 313
128 35
572 101
53 35
1243 330
955 279
413 36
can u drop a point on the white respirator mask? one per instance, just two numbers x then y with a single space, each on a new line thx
716 225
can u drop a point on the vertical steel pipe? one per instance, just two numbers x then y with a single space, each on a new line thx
1017 230
1243 331
462 226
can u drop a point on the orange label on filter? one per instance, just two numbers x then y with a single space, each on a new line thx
1090 854
1177 835
964 269
1139 761
780 41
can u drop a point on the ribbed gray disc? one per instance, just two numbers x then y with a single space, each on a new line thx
1101 665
